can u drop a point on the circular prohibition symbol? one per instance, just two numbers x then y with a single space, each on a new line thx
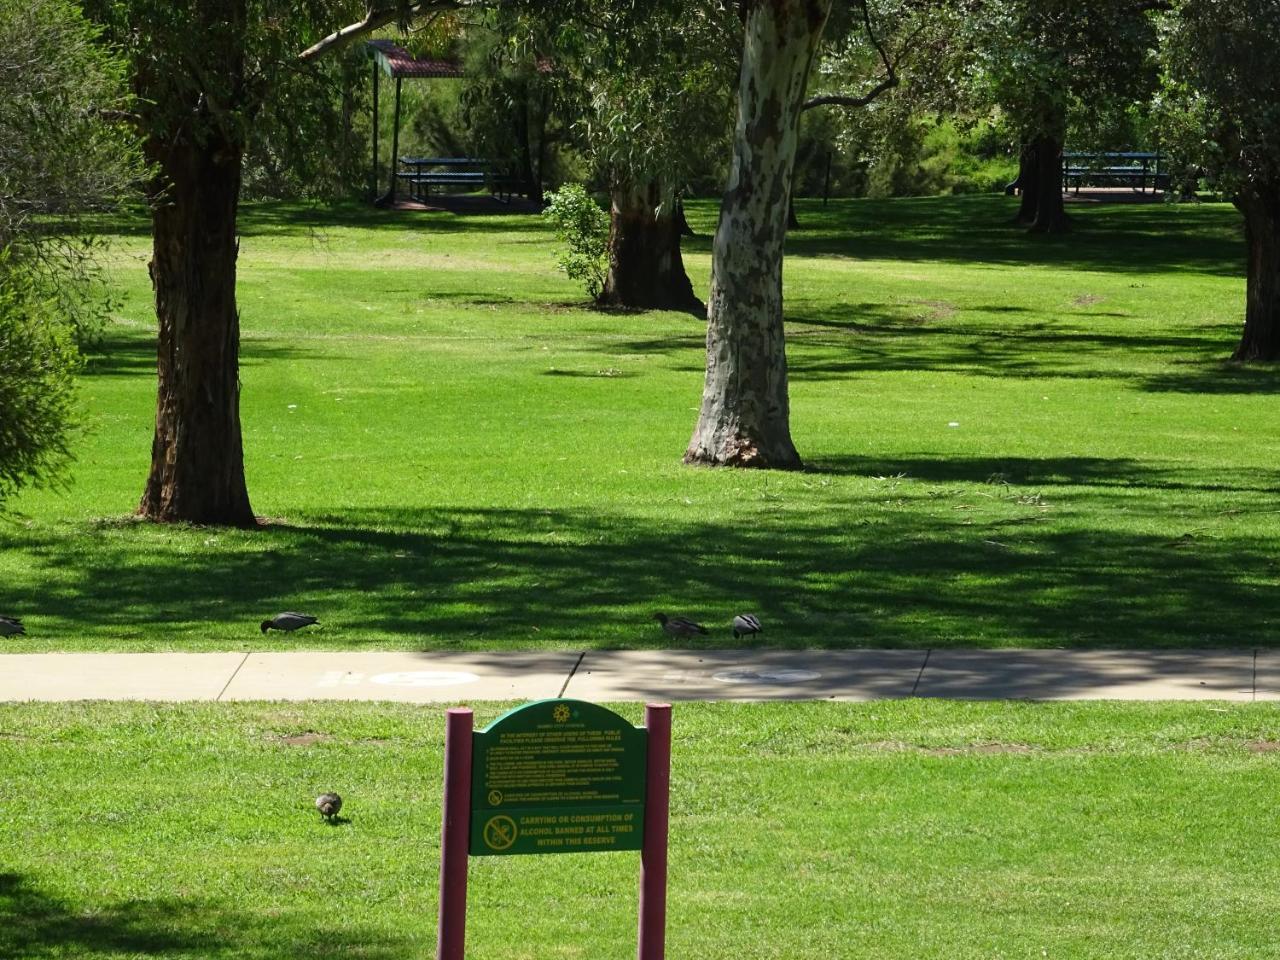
500 832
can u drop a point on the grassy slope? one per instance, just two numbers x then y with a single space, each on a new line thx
457 455
907 829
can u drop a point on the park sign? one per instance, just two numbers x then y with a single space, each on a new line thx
557 776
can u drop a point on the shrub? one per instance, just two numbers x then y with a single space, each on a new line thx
38 362
583 228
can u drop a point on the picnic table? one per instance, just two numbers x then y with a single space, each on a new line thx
420 174
1132 168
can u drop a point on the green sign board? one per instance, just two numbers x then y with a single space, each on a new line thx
557 776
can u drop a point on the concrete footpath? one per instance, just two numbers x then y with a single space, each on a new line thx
620 675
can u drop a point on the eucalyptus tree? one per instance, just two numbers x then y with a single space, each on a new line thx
1221 62
62 153
1042 60
744 419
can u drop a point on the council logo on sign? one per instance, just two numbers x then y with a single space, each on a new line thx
561 713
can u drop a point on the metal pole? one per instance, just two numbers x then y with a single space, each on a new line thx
373 183
653 853
455 835
395 146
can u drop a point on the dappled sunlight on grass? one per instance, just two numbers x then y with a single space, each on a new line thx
1011 441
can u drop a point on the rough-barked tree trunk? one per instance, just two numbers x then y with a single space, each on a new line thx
1260 205
745 416
197 460
1051 215
646 270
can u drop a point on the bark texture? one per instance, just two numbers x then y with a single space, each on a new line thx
745 415
1050 214
197 459
646 270
1260 341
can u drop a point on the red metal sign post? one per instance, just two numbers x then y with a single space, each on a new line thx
454 835
550 737
653 855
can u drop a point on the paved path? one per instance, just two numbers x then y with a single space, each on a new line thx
617 675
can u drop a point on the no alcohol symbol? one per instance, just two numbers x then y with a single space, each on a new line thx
500 832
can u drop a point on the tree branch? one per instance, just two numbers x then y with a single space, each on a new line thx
843 100
890 69
375 19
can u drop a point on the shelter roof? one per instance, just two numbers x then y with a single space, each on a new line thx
396 61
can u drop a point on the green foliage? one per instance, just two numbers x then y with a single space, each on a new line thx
38 360
1044 61
583 229
64 149
657 90
60 155
511 104
1221 90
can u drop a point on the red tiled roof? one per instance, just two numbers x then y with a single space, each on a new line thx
398 62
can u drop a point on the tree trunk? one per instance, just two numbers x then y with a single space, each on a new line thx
1050 215
745 415
1261 338
197 460
1028 184
646 270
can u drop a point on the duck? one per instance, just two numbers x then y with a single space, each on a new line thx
10 626
679 626
746 625
329 804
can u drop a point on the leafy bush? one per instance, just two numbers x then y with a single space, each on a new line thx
38 362
583 228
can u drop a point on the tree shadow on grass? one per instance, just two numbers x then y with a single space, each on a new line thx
35 924
976 229
936 552
133 356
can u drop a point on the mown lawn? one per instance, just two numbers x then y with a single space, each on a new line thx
1011 441
905 829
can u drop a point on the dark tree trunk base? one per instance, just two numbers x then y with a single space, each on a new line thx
1050 213
646 271
1260 341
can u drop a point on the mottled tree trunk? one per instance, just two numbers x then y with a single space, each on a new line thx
645 267
745 415
197 461
1051 215
1261 337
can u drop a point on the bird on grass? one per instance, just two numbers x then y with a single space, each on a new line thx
288 622
679 626
10 625
329 804
746 625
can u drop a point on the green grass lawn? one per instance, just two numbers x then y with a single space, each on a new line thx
1012 441
905 829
